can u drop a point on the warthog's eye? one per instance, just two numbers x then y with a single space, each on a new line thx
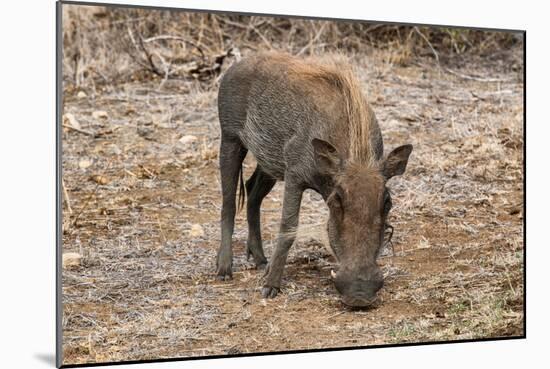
336 203
388 234
336 199
387 203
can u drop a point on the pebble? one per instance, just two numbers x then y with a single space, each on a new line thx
100 114
187 139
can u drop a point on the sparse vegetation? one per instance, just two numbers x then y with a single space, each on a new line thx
141 179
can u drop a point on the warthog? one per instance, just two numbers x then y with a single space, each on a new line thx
308 124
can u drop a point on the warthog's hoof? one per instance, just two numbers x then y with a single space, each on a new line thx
224 273
259 260
269 292
224 264
261 266
226 277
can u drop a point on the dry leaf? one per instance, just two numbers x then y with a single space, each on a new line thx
479 172
100 114
209 154
449 148
81 94
70 120
156 119
423 244
71 259
114 150
84 163
196 231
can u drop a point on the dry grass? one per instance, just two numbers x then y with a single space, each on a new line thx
106 45
145 287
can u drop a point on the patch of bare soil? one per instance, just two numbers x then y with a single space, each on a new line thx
141 176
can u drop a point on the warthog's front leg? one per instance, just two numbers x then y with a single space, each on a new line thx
287 234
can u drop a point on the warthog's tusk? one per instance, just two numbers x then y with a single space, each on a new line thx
332 274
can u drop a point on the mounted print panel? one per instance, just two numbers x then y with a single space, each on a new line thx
236 184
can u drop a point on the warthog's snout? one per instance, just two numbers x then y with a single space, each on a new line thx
359 289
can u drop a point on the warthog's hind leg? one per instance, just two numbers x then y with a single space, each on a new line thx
232 154
257 188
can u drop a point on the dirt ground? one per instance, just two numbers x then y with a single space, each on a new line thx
145 209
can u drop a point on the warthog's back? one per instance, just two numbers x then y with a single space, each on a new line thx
275 104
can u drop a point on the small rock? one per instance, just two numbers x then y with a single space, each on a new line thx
81 94
99 179
71 259
479 172
156 119
165 302
233 351
84 163
449 148
209 154
114 150
472 143
146 132
187 139
196 231
100 114
71 120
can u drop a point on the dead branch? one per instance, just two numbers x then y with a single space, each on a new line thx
176 38
66 196
141 49
85 205
262 37
436 55
78 130
313 40
473 78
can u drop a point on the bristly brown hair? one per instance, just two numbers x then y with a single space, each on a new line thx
337 73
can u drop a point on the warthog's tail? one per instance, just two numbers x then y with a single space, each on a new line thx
242 190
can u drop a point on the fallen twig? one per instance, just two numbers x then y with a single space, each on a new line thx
436 55
85 205
176 38
140 48
66 196
473 78
78 130
313 40
262 37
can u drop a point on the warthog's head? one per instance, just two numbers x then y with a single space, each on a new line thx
359 205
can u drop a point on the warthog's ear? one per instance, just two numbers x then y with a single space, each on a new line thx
327 158
396 162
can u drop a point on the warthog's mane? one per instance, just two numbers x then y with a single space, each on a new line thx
335 71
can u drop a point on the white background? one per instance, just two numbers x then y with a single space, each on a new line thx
27 182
